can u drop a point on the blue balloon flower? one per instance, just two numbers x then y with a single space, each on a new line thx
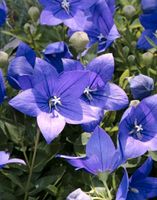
101 155
3 12
141 86
138 128
22 66
55 99
63 11
139 185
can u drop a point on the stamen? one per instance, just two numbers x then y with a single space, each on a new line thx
53 102
100 37
137 130
87 92
65 4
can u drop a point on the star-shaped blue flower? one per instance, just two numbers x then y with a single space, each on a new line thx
138 128
101 155
139 186
55 99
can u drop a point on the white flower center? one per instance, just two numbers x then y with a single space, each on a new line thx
53 102
100 37
87 92
65 4
137 130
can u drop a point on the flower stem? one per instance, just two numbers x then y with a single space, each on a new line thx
32 164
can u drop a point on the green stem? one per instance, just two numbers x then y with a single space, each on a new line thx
108 191
32 164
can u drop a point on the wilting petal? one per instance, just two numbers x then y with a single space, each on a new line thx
103 65
25 102
101 145
51 125
123 187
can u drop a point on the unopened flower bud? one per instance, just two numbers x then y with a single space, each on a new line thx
131 59
141 86
126 50
79 40
78 195
147 58
34 13
134 103
129 11
3 59
27 28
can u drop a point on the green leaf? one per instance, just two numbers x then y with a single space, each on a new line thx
123 78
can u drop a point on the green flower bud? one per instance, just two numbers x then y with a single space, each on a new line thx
3 59
129 11
34 13
27 28
131 59
79 40
147 58
125 50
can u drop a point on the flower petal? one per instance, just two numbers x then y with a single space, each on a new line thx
51 125
25 102
103 65
123 187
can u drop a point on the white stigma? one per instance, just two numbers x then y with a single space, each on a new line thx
100 37
65 4
54 101
137 130
87 92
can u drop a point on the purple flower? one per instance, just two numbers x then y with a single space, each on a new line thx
149 22
101 155
54 53
4 159
2 88
99 25
54 99
78 195
22 66
3 12
99 92
141 86
63 11
138 128
139 185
